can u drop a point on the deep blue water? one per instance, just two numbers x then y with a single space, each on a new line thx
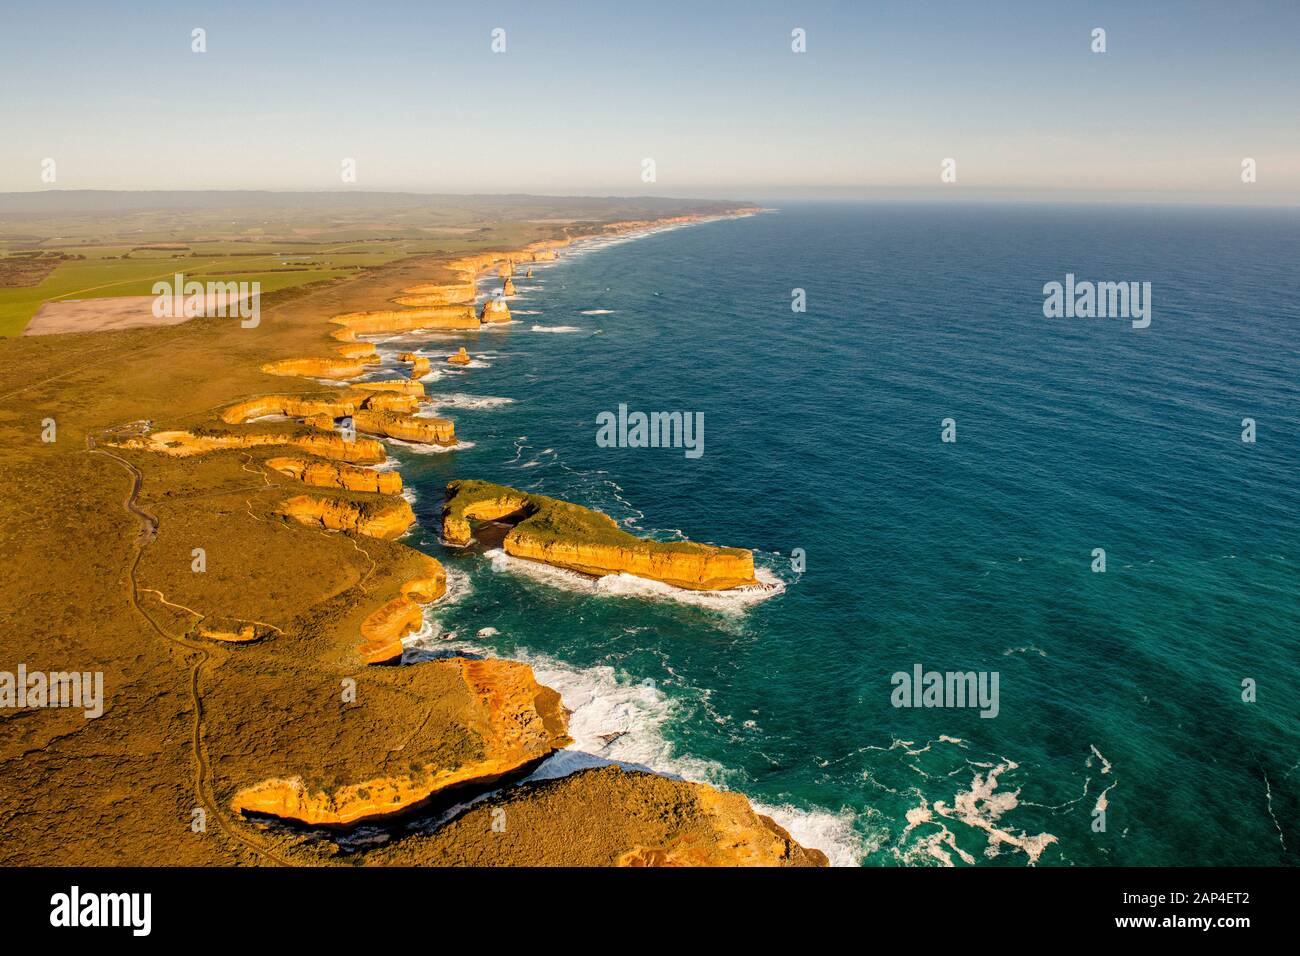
822 432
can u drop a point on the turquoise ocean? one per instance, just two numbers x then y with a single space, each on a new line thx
1122 736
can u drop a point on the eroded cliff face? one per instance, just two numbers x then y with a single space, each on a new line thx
708 569
436 293
363 351
316 367
408 320
183 444
604 816
429 431
383 630
473 265
361 451
579 539
509 287
478 501
401 386
315 410
290 406
501 721
734 836
387 518
328 474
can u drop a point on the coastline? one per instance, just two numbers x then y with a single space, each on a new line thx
811 827
307 590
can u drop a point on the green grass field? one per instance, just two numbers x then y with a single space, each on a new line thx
281 240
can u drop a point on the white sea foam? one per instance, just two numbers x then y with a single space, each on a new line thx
1105 764
598 312
459 587
464 400
832 833
430 640
980 808
616 720
731 601
420 448
556 328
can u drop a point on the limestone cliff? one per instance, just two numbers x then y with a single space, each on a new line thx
389 402
382 631
428 431
408 320
604 816
316 367
506 270
328 474
459 358
501 722
362 351
387 518
291 406
402 386
362 451
434 293
569 536
183 444
738 837
509 287
322 411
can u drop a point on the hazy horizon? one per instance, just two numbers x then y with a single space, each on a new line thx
418 101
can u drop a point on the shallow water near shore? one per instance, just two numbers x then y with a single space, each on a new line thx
1118 691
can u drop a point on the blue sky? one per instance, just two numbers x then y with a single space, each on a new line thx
710 91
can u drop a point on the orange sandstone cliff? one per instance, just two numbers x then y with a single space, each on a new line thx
183 444
428 431
492 721
385 518
569 536
408 320
327 474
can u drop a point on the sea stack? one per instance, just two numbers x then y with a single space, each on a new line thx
495 310
509 287
419 364
460 358
529 273
506 270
